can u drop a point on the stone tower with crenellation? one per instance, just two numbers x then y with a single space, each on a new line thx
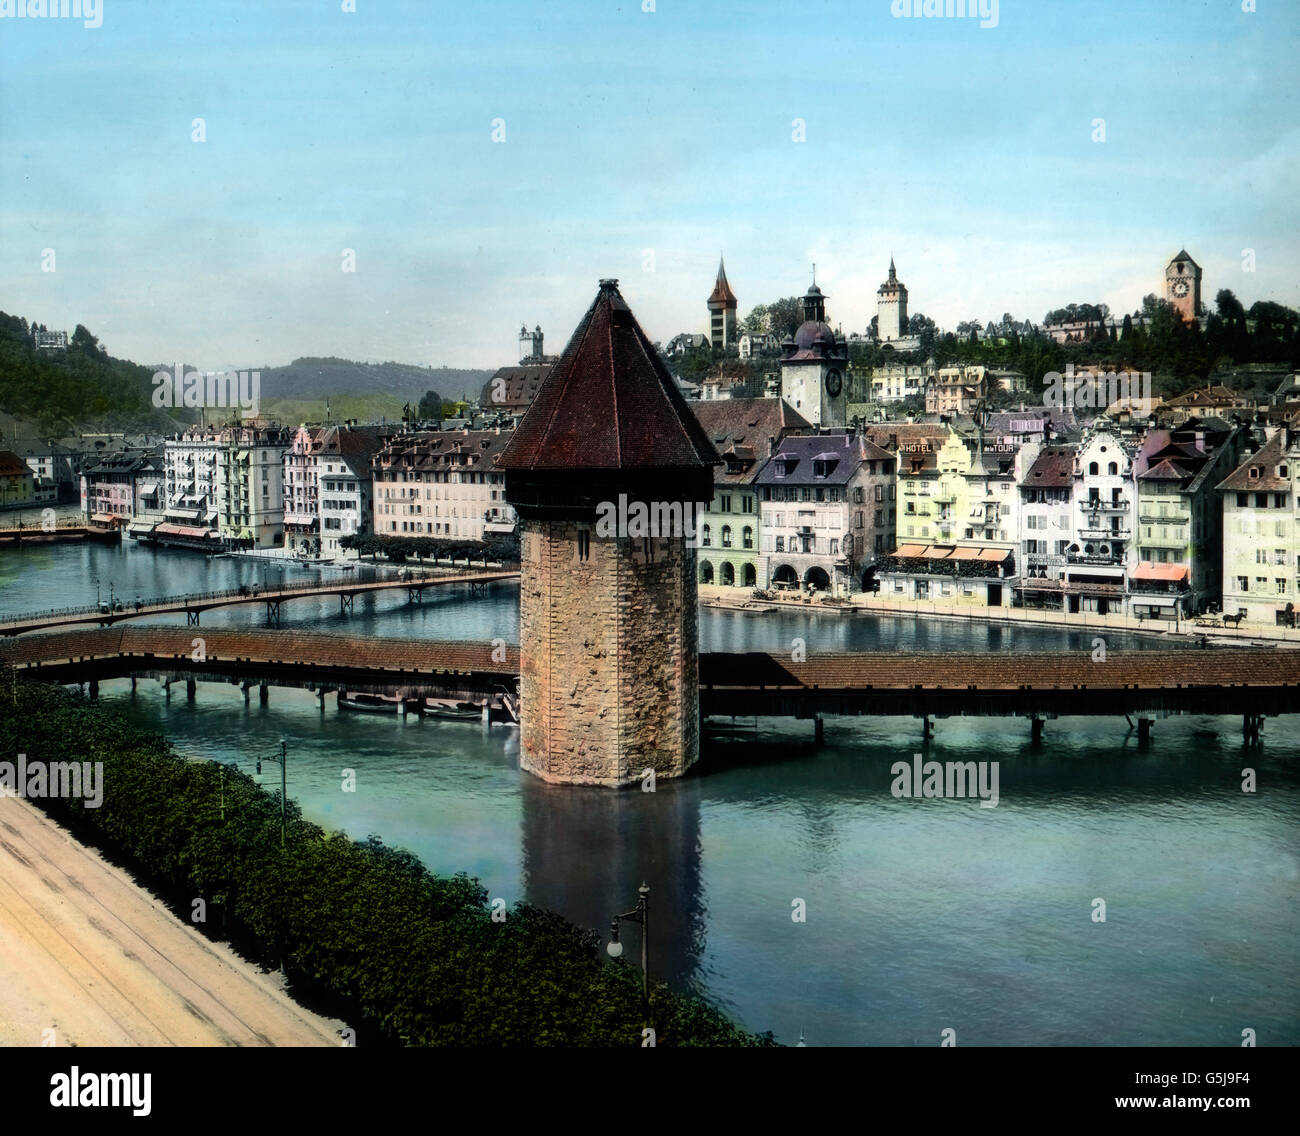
607 471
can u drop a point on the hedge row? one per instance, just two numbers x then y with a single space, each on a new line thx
365 932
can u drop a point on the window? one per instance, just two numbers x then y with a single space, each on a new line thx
747 537
1281 585
1243 584
1113 469
1093 469
726 536
780 544
708 537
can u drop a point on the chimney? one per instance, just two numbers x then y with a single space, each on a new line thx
771 446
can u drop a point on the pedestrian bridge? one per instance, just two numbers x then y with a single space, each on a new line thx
1252 682
193 605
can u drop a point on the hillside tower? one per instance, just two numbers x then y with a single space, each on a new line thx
1183 285
607 471
891 308
722 311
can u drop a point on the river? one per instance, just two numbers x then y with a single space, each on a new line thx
921 915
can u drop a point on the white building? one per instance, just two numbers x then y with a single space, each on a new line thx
1104 519
895 381
1261 549
230 480
327 494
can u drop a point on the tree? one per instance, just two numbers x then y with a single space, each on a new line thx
923 327
430 408
1228 306
784 317
756 323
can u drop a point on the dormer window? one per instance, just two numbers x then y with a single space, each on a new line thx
1282 471
1254 473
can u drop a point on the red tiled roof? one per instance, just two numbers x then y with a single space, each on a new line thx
608 404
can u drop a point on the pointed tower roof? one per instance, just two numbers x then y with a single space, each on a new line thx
722 292
1184 255
608 405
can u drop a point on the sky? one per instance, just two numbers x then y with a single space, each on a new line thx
488 163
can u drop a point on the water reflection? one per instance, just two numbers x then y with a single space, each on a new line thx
587 850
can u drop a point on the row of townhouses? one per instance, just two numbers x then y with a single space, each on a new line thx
1021 509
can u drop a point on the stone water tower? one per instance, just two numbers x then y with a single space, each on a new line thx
607 471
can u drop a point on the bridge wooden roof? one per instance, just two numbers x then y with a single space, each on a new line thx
1073 671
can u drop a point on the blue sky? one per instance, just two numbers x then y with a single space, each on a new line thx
966 152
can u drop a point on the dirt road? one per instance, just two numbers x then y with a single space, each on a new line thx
87 953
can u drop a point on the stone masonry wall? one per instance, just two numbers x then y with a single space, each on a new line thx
609 657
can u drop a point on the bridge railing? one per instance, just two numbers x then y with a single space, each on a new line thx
367 575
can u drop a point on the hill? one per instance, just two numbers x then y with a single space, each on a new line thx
312 378
69 383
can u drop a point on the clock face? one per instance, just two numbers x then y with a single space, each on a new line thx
1180 289
834 383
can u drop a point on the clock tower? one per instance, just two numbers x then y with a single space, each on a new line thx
1183 285
814 366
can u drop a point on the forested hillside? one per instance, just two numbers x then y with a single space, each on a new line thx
68 385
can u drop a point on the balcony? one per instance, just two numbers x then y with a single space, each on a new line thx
1097 505
1095 531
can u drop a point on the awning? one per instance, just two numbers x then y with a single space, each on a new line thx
104 519
1139 599
953 552
167 529
148 489
1174 573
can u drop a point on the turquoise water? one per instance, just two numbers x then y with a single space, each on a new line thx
921 915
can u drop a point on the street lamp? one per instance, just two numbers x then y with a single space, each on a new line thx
639 914
282 762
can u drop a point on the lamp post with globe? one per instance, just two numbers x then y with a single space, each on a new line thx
639 914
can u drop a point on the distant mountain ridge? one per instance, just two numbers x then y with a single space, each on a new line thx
312 377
